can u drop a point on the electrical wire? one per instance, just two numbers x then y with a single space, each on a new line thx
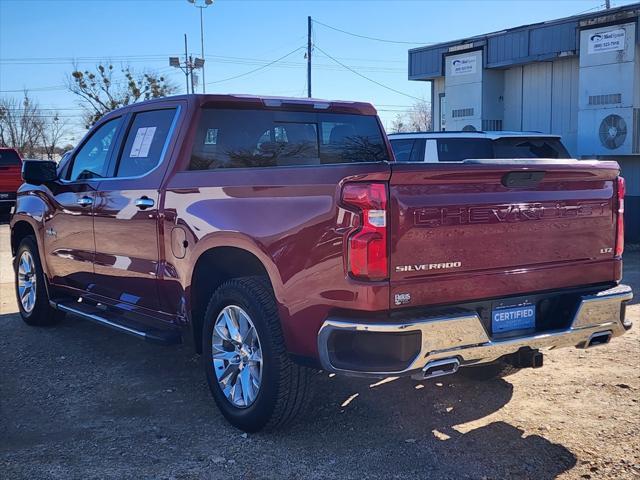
257 69
369 38
367 78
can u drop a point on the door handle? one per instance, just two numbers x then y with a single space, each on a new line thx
85 201
144 202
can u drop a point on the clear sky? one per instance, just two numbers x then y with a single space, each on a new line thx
40 40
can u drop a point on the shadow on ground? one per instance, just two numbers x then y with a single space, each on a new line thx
79 398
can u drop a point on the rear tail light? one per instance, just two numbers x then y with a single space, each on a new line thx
620 218
367 251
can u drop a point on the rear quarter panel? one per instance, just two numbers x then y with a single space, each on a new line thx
288 217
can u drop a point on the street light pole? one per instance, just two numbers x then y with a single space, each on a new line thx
201 4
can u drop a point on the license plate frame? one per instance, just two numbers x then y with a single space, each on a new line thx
513 317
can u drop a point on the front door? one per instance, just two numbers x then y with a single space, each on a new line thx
68 240
126 210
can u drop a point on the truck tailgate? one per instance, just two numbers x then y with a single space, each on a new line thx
498 228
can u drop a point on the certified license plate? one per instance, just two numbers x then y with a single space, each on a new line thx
508 318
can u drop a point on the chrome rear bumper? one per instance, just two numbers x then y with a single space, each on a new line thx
462 336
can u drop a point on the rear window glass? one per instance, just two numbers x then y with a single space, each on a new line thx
263 138
529 148
9 157
458 149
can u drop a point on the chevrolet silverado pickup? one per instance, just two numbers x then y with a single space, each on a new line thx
280 237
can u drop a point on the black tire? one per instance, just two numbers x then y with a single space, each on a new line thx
285 387
41 315
490 371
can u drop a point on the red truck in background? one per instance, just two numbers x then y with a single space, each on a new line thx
279 236
10 177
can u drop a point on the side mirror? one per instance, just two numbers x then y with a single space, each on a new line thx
38 172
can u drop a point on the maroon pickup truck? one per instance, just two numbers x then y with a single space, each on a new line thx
279 236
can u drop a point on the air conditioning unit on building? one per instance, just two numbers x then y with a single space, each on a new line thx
611 131
609 91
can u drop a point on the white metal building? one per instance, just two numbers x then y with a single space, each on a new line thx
578 77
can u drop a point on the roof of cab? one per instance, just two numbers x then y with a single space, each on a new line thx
262 102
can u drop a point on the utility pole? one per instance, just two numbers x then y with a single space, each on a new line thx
186 60
607 4
309 56
188 66
190 63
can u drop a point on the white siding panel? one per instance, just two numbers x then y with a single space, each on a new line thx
438 87
536 97
513 99
564 105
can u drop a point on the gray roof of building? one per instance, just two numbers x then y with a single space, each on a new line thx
519 45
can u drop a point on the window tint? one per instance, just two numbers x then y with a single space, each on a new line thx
145 142
91 159
9 157
408 150
402 149
529 148
458 149
417 154
263 138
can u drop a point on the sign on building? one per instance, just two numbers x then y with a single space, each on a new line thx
606 41
463 65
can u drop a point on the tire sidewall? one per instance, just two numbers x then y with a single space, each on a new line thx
255 416
40 310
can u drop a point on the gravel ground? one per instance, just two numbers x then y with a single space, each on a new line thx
81 401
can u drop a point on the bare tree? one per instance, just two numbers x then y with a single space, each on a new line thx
53 131
21 125
399 124
416 119
101 91
420 116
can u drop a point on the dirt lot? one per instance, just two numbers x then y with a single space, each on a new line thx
81 401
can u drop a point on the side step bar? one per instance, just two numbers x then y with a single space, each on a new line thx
118 322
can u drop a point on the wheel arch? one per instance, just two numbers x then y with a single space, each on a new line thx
215 266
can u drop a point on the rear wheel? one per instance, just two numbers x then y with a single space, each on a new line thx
252 379
31 292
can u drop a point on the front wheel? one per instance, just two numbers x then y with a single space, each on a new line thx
252 379
31 291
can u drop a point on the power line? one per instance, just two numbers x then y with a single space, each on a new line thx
370 38
257 69
367 78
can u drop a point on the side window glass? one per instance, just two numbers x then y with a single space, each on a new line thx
459 149
145 142
402 149
417 154
91 159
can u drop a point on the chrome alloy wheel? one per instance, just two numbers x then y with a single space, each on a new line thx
237 356
27 281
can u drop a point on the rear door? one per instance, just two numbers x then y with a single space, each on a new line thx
474 231
126 209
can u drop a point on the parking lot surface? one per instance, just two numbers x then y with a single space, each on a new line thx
82 401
